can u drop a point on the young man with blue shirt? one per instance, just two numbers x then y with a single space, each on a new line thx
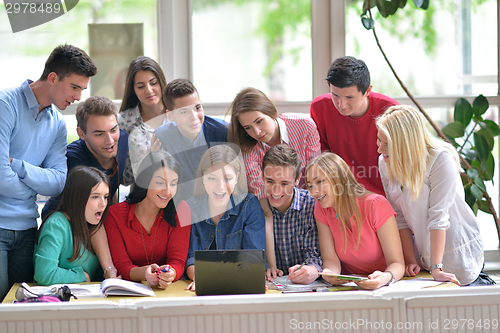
295 235
33 154
189 133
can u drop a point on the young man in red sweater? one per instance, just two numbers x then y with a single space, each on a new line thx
346 119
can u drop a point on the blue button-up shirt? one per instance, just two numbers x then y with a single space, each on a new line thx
296 233
36 142
241 227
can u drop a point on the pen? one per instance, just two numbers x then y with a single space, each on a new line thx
305 262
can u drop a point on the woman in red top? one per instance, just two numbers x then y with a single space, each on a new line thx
148 236
357 229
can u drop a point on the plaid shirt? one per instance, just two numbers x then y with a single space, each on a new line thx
296 234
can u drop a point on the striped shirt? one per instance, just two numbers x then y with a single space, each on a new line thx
296 234
296 130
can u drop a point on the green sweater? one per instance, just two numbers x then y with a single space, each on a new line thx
54 248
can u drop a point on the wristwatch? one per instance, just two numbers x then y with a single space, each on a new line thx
440 266
392 278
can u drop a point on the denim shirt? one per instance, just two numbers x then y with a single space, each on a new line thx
241 227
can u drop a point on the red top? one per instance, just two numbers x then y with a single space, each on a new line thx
369 257
129 242
353 139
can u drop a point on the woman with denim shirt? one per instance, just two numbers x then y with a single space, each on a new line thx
224 216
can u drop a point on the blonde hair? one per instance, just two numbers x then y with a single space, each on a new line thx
409 145
225 153
345 188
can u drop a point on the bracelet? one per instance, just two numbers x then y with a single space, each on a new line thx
392 278
439 266
108 268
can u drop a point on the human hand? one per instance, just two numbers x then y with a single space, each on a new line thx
439 275
412 270
375 280
151 275
166 278
87 277
110 272
155 144
191 286
273 272
305 275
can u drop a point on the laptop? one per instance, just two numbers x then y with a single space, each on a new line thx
229 272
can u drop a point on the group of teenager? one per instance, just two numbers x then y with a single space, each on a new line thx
359 187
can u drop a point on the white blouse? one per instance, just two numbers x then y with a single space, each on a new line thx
139 141
440 205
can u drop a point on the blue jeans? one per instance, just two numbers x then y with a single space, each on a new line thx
16 258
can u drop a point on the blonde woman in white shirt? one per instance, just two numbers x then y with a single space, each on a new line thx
421 179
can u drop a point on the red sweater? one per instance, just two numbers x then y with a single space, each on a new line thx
129 242
353 139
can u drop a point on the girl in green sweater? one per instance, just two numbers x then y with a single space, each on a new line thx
63 252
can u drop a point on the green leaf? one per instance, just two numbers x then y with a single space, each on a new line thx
425 4
480 105
454 130
381 6
492 126
463 112
480 183
488 135
476 192
469 198
488 168
402 3
482 146
368 23
373 3
475 208
472 173
483 206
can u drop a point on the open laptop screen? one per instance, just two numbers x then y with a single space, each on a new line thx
228 272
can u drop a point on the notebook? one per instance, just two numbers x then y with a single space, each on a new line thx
229 272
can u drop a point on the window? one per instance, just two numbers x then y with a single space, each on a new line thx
236 44
455 52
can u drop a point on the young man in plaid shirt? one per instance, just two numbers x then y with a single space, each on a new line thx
295 236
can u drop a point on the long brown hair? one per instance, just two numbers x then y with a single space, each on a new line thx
249 99
141 63
79 184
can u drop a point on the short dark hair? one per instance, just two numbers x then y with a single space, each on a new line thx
75 195
66 60
152 162
347 72
141 63
95 105
175 89
282 155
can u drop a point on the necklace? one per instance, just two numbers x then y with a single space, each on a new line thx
144 244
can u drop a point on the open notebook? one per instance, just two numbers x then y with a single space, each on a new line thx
109 287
